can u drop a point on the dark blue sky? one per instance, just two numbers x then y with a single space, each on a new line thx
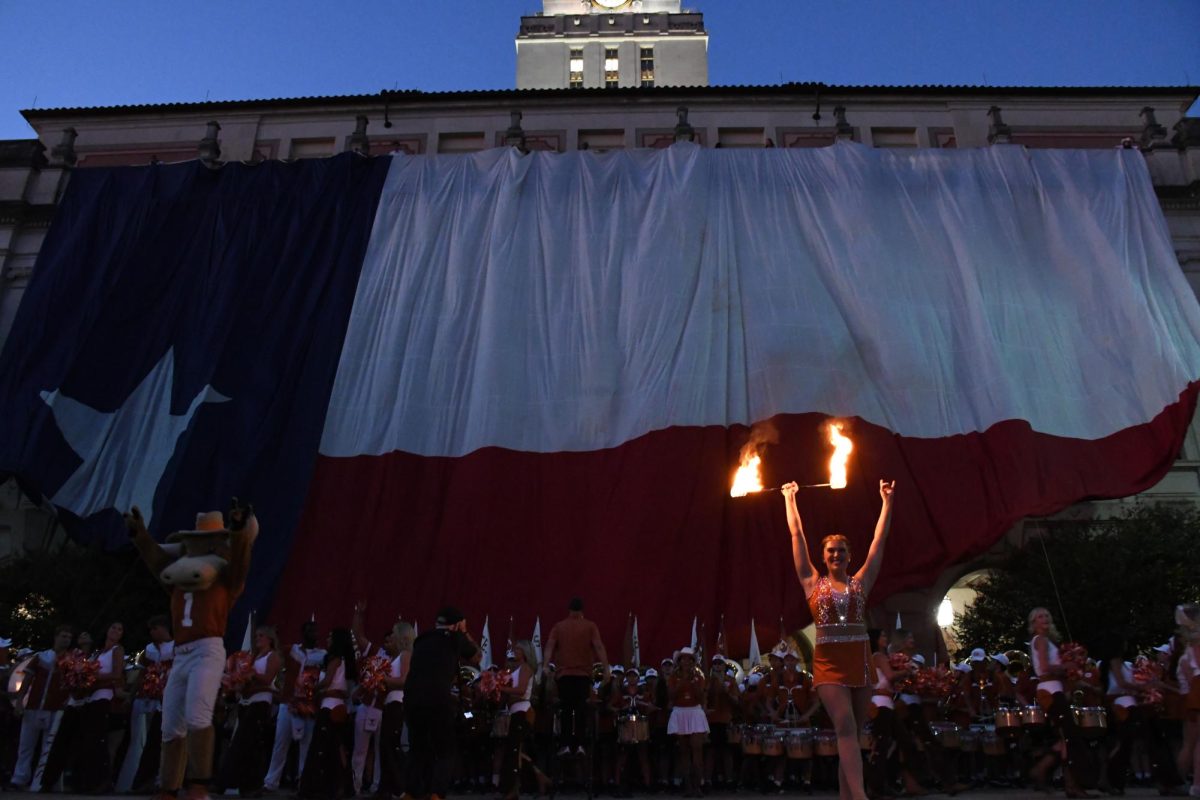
83 52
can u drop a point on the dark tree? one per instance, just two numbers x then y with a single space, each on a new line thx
1119 579
84 587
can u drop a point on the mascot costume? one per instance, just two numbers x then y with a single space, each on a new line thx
205 571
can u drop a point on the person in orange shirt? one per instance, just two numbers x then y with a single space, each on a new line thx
204 583
688 722
573 646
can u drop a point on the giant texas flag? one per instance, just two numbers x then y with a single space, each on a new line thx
501 380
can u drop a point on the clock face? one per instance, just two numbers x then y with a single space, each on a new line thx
611 5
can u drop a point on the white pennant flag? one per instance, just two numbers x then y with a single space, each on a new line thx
637 648
898 625
485 645
416 631
537 642
755 655
695 638
248 639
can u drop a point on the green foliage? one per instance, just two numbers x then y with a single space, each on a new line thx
84 587
1119 580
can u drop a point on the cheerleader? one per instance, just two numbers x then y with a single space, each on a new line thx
145 719
1187 616
246 759
291 727
392 763
325 768
1050 673
522 665
93 767
838 602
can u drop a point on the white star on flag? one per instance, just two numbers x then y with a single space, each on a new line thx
126 452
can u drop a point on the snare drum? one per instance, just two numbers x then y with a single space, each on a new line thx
826 743
500 726
946 734
969 739
1033 715
799 743
751 741
991 744
1008 718
772 742
633 729
733 734
1091 720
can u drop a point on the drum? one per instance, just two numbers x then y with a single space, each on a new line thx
969 739
1008 719
772 742
751 740
866 741
947 734
633 729
1033 715
500 726
1092 721
799 743
473 724
825 743
734 734
991 744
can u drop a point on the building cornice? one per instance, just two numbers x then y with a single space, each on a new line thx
1184 95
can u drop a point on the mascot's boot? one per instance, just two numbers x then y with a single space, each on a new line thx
171 766
200 758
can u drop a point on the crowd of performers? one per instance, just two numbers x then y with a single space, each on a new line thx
403 715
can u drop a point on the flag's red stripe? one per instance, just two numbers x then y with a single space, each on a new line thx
649 526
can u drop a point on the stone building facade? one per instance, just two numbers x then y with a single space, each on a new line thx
34 173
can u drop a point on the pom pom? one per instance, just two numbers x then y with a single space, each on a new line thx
304 693
154 680
239 667
1145 673
79 672
1074 658
373 672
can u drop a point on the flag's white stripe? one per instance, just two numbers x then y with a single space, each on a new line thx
574 302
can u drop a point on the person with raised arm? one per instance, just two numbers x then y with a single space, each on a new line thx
838 602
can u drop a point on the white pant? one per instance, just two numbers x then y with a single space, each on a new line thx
139 721
366 717
283 740
192 687
35 726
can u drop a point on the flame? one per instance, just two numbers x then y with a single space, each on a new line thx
842 447
747 478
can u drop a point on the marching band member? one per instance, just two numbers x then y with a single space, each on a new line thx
630 699
241 768
722 699
688 722
160 650
841 661
289 727
883 722
323 773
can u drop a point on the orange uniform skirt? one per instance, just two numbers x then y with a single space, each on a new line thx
843 663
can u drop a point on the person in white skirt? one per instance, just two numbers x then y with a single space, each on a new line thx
688 722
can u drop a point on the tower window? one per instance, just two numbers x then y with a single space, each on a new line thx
576 68
647 66
612 69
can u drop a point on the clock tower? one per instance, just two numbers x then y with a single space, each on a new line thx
611 44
